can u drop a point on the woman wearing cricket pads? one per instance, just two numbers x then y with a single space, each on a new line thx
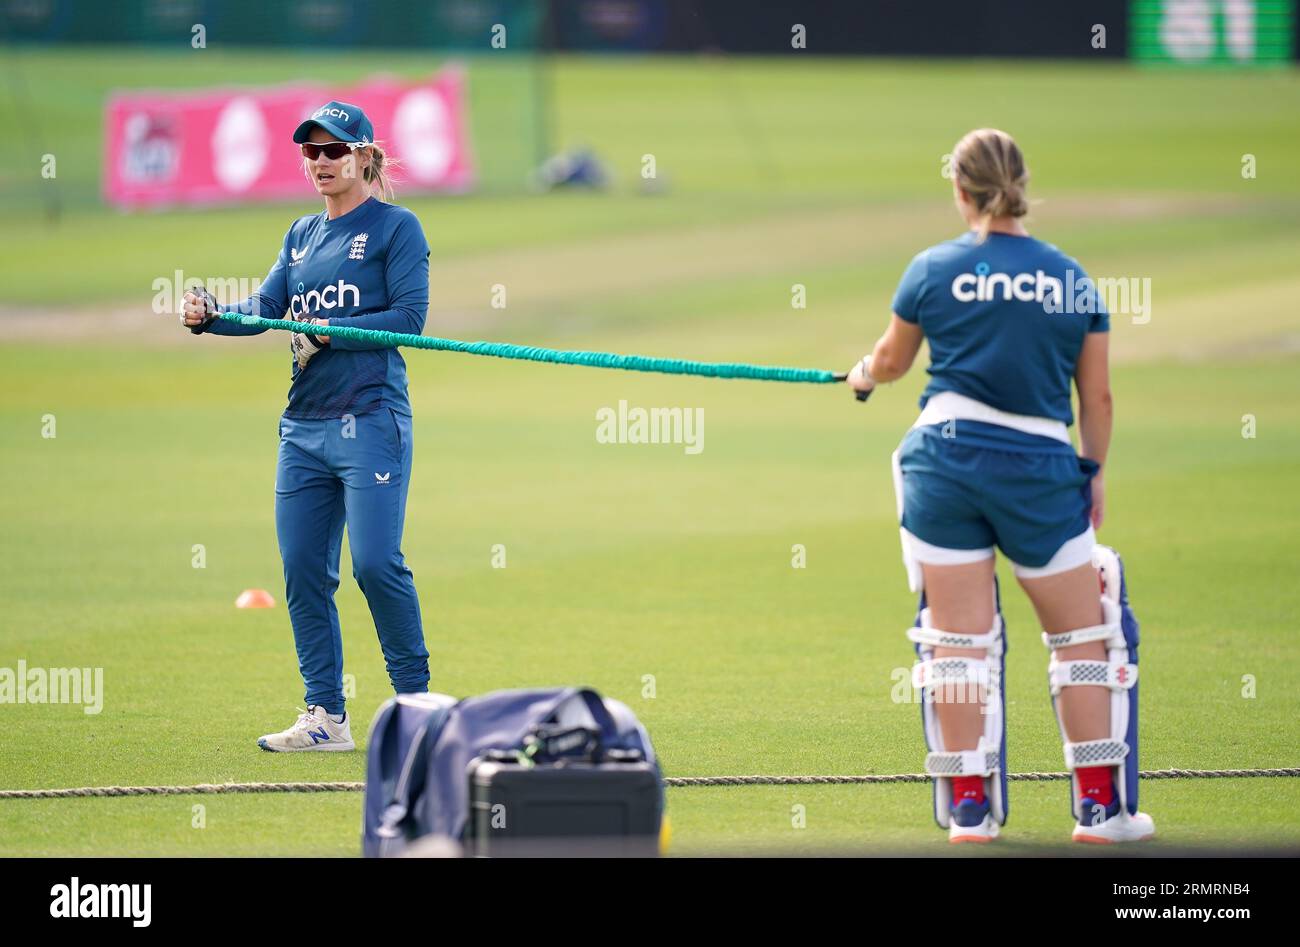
1010 321
345 437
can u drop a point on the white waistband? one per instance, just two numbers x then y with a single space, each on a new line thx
948 405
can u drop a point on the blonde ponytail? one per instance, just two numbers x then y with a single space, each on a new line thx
379 173
990 169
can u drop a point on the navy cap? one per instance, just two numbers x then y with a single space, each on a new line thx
345 122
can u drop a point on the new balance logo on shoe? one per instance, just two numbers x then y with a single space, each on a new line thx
313 730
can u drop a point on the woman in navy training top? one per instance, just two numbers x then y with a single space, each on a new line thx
345 437
1011 322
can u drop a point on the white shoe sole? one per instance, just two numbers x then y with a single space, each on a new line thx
971 839
1090 839
319 748
1124 831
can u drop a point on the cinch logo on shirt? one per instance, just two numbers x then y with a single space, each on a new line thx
986 286
331 297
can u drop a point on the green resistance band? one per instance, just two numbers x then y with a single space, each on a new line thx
531 353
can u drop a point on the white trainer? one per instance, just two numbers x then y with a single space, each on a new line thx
313 730
981 833
1120 827
972 822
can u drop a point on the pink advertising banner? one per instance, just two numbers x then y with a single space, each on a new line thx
221 146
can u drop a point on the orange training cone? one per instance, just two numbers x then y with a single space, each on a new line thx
255 598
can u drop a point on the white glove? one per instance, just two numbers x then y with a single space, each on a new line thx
860 376
304 346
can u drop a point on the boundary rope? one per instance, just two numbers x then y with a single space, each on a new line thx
531 353
673 781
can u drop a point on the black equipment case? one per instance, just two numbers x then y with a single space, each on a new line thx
608 806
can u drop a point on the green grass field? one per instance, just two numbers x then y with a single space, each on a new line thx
629 561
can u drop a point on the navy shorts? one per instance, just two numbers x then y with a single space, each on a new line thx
1029 496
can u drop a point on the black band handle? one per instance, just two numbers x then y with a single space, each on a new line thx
860 395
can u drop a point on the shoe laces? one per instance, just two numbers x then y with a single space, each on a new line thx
306 719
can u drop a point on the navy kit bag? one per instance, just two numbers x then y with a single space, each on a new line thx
491 770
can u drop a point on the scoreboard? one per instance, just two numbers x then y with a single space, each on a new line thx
1222 33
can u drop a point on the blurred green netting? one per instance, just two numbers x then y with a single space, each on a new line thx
444 25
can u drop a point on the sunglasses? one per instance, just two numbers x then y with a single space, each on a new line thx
334 150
